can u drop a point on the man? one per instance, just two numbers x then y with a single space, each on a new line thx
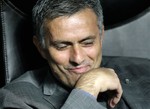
69 34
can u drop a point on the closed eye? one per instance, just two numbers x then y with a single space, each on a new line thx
88 42
60 45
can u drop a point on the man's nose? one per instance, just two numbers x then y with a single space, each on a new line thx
77 55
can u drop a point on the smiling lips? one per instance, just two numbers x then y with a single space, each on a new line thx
79 70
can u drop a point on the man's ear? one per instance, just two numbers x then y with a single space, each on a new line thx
38 45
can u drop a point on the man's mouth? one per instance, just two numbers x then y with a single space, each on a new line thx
79 69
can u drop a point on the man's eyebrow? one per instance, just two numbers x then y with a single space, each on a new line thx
57 42
60 42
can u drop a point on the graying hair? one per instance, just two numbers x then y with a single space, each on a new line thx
51 9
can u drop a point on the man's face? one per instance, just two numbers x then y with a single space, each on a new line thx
74 46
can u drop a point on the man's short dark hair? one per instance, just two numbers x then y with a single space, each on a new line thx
50 9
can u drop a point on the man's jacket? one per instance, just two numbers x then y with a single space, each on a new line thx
38 89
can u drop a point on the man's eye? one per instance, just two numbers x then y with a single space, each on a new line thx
61 46
88 43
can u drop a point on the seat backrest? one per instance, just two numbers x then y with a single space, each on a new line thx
18 53
130 36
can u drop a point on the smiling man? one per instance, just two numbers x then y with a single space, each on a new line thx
69 34
73 33
73 45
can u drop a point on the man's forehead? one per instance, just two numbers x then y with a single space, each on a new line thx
82 13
